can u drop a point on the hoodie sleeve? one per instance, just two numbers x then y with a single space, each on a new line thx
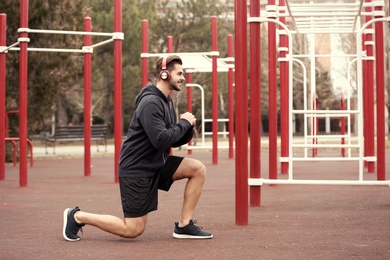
153 121
186 138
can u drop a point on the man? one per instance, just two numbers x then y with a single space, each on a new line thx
146 165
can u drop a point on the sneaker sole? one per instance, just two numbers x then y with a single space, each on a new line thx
182 236
64 227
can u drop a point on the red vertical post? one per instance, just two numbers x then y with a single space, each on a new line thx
117 85
369 94
342 125
380 94
255 103
284 94
3 55
214 48
87 96
272 100
231 99
23 99
189 103
241 87
145 49
169 50
169 44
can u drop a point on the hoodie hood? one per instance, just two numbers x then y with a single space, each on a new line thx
150 89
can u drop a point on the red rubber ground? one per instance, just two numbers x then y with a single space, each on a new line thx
293 222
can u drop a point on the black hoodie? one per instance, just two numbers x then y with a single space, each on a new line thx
152 132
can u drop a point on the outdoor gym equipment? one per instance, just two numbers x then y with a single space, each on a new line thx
23 40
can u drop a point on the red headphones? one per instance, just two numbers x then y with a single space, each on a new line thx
164 74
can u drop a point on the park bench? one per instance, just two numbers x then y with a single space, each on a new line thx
73 133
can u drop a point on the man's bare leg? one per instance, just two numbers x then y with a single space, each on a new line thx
195 171
128 227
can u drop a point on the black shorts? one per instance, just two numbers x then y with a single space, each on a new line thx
140 194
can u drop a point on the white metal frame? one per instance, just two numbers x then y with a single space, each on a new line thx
311 18
204 133
197 61
84 49
191 85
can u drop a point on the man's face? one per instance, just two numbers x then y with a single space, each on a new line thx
177 77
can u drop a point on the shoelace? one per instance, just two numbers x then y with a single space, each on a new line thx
198 227
77 229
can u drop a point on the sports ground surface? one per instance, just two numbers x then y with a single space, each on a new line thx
293 222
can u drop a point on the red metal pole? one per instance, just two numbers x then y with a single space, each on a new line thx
169 44
272 101
380 95
241 86
87 97
369 94
189 103
255 103
231 99
342 125
214 48
145 49
169 50
3 55
23 99
284 94
117 85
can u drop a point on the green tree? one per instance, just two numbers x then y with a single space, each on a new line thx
51 76
134 11
56 79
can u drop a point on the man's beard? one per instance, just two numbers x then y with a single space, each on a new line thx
175 87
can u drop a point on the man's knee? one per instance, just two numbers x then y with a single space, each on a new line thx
133 232
134 227
201 170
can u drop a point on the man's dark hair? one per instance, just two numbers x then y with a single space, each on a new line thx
171 61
